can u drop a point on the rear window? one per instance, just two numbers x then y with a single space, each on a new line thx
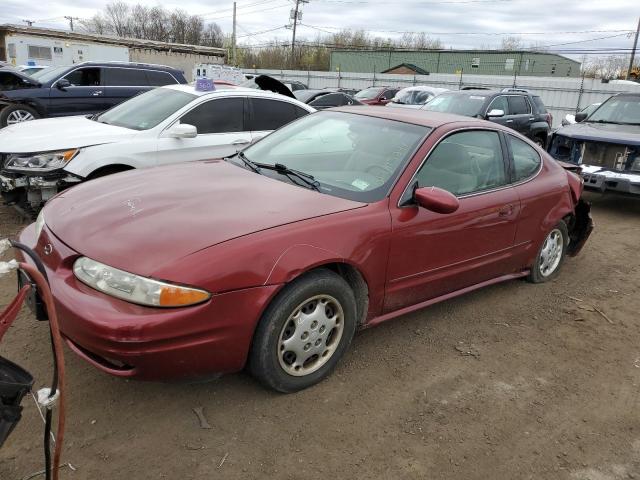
539 104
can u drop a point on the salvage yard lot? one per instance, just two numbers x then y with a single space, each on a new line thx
514 381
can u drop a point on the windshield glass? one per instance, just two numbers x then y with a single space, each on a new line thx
351 156
369 93
619 109
49 74
412 97
146 110
468 105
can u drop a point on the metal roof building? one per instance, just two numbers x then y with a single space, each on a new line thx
482 62
43 46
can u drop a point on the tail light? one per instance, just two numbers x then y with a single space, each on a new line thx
549 118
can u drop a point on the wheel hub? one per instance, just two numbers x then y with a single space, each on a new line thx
551 253
18 116
310 335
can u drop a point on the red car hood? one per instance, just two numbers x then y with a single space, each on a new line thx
139 221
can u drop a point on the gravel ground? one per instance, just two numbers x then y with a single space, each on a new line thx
515 381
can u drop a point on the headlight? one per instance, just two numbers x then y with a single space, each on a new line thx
134 288
40 162
39 224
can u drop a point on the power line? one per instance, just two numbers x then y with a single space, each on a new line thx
252 34
248 12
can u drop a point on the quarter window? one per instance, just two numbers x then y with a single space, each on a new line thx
159 79
464 163
518 105
217 116
271 114
84 77
526 160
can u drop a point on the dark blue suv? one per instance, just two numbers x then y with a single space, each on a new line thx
81 89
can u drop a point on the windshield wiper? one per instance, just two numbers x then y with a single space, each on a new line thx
290 172
252 166
604 121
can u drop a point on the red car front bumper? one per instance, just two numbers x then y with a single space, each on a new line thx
129 340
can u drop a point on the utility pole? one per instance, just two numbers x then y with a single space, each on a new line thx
295 15
633 51
29 22
71 19
233 40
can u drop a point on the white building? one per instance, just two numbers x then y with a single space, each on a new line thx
43 46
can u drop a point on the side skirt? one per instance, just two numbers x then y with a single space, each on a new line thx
403 311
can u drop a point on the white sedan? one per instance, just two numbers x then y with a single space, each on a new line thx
170 124
414 97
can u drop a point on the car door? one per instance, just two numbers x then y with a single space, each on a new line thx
123 83
84 95
268 114
221 132
500 103
433 254
519 113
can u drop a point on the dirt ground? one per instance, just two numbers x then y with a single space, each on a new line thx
516 381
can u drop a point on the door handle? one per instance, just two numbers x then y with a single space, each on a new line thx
240 142
509 121
532 119
97 93
505 211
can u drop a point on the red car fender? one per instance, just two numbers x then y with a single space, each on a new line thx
297 259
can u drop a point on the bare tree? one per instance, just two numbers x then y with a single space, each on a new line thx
117 13
511 43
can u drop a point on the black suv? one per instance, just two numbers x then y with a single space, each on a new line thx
511 107
80 89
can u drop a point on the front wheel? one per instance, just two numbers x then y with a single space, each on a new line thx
551 254
12 114
304 332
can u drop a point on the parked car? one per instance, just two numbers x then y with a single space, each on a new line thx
414 97
328 98
13 79
514 108
176 123
376 95
605 144
31 69
274 257
295 86
570 119
81 89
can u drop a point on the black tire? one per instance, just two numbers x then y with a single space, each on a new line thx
536 275
11 110
266 360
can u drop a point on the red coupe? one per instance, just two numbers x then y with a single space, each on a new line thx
273 258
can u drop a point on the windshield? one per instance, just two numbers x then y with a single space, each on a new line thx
306 95
48 74
412 97
619 109
146 110
468 105
352 156
369 93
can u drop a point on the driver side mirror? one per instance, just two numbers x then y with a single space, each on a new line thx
581 116
63 84
436 199
182 130
495 113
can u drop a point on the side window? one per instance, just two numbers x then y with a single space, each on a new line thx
271 114
328 100
85 77
389 94
159 79
465 162
499 103
300 112
518 105
124 77
217 116
526 160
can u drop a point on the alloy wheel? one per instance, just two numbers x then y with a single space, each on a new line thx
18 116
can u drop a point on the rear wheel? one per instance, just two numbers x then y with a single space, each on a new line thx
12 114
551 255
304 332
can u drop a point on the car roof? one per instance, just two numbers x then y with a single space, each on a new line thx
231 90
421 117
126 65
423 88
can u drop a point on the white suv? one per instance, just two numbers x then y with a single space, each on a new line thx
170 124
